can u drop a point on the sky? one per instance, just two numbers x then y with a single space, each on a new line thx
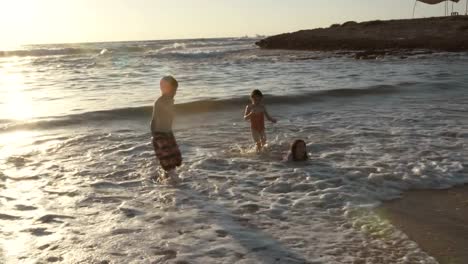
71 21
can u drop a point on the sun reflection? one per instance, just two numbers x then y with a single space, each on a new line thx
14 147
15 102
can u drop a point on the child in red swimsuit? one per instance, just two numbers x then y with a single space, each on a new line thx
256 113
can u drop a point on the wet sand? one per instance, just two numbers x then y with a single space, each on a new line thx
435 219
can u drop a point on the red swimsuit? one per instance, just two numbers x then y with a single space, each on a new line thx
257 121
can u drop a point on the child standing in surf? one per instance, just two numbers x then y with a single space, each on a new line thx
256 113
164 143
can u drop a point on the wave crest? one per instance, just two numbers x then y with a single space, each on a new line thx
195 107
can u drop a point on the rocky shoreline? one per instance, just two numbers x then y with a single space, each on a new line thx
379 38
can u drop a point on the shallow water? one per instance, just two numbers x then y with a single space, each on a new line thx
75 167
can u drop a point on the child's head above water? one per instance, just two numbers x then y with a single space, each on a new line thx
168 85
298 150
256 96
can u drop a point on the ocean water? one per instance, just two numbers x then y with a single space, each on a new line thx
76 158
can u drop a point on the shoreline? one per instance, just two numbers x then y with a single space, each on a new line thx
376 38
435 219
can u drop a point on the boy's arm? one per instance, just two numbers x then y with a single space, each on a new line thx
153 119
247 113
268 116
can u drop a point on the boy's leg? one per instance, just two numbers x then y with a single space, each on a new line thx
154 141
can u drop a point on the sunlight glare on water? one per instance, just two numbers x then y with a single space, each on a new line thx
16 104
11 143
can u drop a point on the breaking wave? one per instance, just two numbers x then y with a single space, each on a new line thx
151 48
194 107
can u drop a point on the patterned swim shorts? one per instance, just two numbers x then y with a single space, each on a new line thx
167 150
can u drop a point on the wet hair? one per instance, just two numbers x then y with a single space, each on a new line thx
256 92
171 80
293 150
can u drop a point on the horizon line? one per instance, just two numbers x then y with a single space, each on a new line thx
143 40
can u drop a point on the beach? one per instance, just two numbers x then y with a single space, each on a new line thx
76 160
435 219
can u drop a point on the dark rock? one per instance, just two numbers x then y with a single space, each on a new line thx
370 55
446 34
349 23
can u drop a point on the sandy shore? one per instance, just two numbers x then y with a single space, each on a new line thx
436 219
